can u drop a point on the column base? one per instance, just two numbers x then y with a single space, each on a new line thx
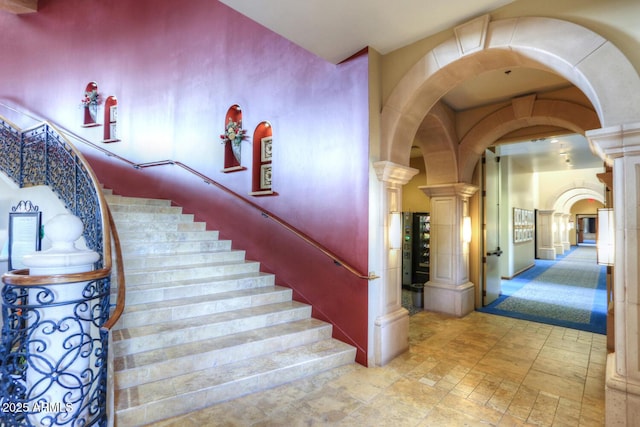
547 253
391 336
456 300
622 398
559 248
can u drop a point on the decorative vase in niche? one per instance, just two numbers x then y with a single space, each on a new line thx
90 104
235 147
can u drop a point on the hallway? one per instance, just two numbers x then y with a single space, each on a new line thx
570 291
479 370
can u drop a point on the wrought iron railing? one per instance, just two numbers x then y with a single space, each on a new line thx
62 355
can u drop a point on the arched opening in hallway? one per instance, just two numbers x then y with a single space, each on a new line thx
458 137
570 193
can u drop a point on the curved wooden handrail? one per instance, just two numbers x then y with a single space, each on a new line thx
120 299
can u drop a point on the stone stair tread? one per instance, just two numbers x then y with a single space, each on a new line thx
205 281
187 301
141 248
116 199
167 397
198 321
150 261
144 208
152 365
174 235
169 268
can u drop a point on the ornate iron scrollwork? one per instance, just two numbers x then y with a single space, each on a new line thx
43 335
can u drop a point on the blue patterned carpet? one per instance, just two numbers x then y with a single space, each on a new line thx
569 292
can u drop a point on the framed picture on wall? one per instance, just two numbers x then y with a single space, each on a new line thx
523 225
265 148
265 177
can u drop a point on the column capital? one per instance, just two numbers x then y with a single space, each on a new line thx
615 141
461 189
394 173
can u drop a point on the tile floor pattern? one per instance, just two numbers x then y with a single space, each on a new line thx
476 371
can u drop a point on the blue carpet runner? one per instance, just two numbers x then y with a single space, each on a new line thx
569 291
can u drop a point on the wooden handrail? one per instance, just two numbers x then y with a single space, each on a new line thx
120 299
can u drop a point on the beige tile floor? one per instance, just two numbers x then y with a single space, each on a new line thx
477 371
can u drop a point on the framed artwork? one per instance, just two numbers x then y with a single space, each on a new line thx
113 113
265 149
523 225
265 177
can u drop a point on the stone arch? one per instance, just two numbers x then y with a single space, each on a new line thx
440 141
578 54
563 114
570 193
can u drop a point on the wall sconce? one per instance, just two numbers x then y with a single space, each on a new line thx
466 229
395 230
605 242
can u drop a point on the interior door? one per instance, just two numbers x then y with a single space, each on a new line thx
492 252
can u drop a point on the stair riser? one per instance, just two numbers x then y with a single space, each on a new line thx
124 200
202 332
125 227
152 209
144 218
192 273
179 366
154 262
148 317
143 248
178 290
164 236
187 402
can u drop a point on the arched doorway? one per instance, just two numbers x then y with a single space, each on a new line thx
581 56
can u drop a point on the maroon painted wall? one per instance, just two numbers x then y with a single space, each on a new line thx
175 68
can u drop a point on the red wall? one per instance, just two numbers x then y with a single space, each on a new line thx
175 68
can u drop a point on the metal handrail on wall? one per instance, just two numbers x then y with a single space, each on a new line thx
40 155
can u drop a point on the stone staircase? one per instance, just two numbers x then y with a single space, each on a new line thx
202 324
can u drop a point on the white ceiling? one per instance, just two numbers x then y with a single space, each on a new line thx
563 152
337 29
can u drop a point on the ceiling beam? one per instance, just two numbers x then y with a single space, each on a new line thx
19 6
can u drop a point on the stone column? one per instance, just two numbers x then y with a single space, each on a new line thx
545 235
449 289
557 234
564 238
621 146
391 328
